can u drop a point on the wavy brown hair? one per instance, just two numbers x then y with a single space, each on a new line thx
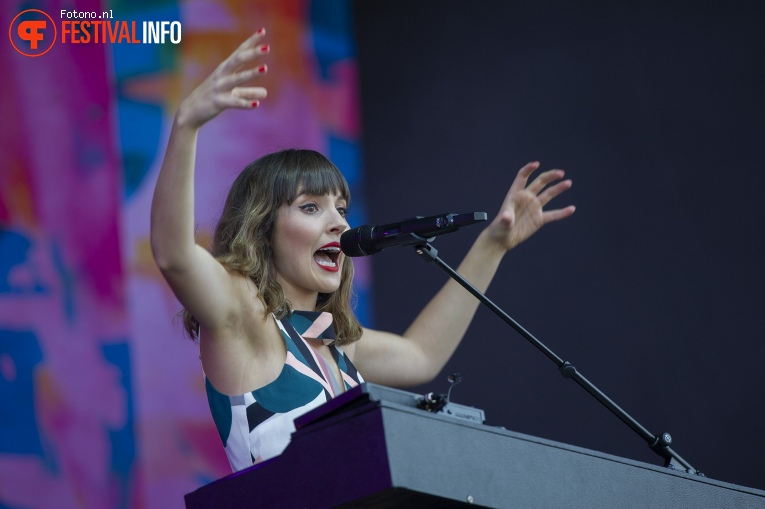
244 234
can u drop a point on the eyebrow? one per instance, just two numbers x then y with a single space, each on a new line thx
340 196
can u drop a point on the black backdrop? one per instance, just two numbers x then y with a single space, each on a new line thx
653 288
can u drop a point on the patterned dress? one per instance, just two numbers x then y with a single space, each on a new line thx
257 425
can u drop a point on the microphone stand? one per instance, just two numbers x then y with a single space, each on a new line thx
660 445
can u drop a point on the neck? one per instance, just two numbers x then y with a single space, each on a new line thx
298 298
302 302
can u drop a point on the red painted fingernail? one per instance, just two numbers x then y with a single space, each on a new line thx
262 69
261 31
255 104
264 48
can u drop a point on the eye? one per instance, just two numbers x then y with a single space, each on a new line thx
309 208
343 211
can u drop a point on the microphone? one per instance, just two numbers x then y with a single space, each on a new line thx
368 239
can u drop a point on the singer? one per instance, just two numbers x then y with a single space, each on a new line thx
270 305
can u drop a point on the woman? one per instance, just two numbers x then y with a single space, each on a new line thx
262 303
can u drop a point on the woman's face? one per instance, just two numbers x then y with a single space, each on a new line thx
306 247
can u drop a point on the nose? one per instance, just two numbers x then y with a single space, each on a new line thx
337 223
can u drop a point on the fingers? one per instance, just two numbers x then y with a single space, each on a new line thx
539 188
243 98
250 93
544 179
230 77
254 38
539 183
246 52
523 176
238 78
549 216
232 101
553 191
223 88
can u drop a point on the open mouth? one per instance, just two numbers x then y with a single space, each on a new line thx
327 257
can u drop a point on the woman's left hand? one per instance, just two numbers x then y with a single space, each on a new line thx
522 214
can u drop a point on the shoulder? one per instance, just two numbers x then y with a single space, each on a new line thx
248 351
388 359
366 346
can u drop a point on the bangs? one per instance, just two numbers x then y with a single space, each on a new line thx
308 172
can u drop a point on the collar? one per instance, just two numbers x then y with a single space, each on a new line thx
313 325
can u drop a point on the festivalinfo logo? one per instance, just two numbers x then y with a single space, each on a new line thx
34 32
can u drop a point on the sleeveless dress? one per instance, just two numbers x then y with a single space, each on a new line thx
257 425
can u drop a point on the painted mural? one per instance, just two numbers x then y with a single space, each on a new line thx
101 397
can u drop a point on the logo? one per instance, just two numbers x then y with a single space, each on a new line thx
32 33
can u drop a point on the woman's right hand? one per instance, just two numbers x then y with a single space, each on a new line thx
221 90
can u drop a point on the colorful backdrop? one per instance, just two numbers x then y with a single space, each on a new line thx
101 398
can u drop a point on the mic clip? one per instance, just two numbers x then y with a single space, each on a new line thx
432 402
440 404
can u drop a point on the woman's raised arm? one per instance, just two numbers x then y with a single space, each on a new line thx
201 283
422 351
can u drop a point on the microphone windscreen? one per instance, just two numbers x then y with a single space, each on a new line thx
358 241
